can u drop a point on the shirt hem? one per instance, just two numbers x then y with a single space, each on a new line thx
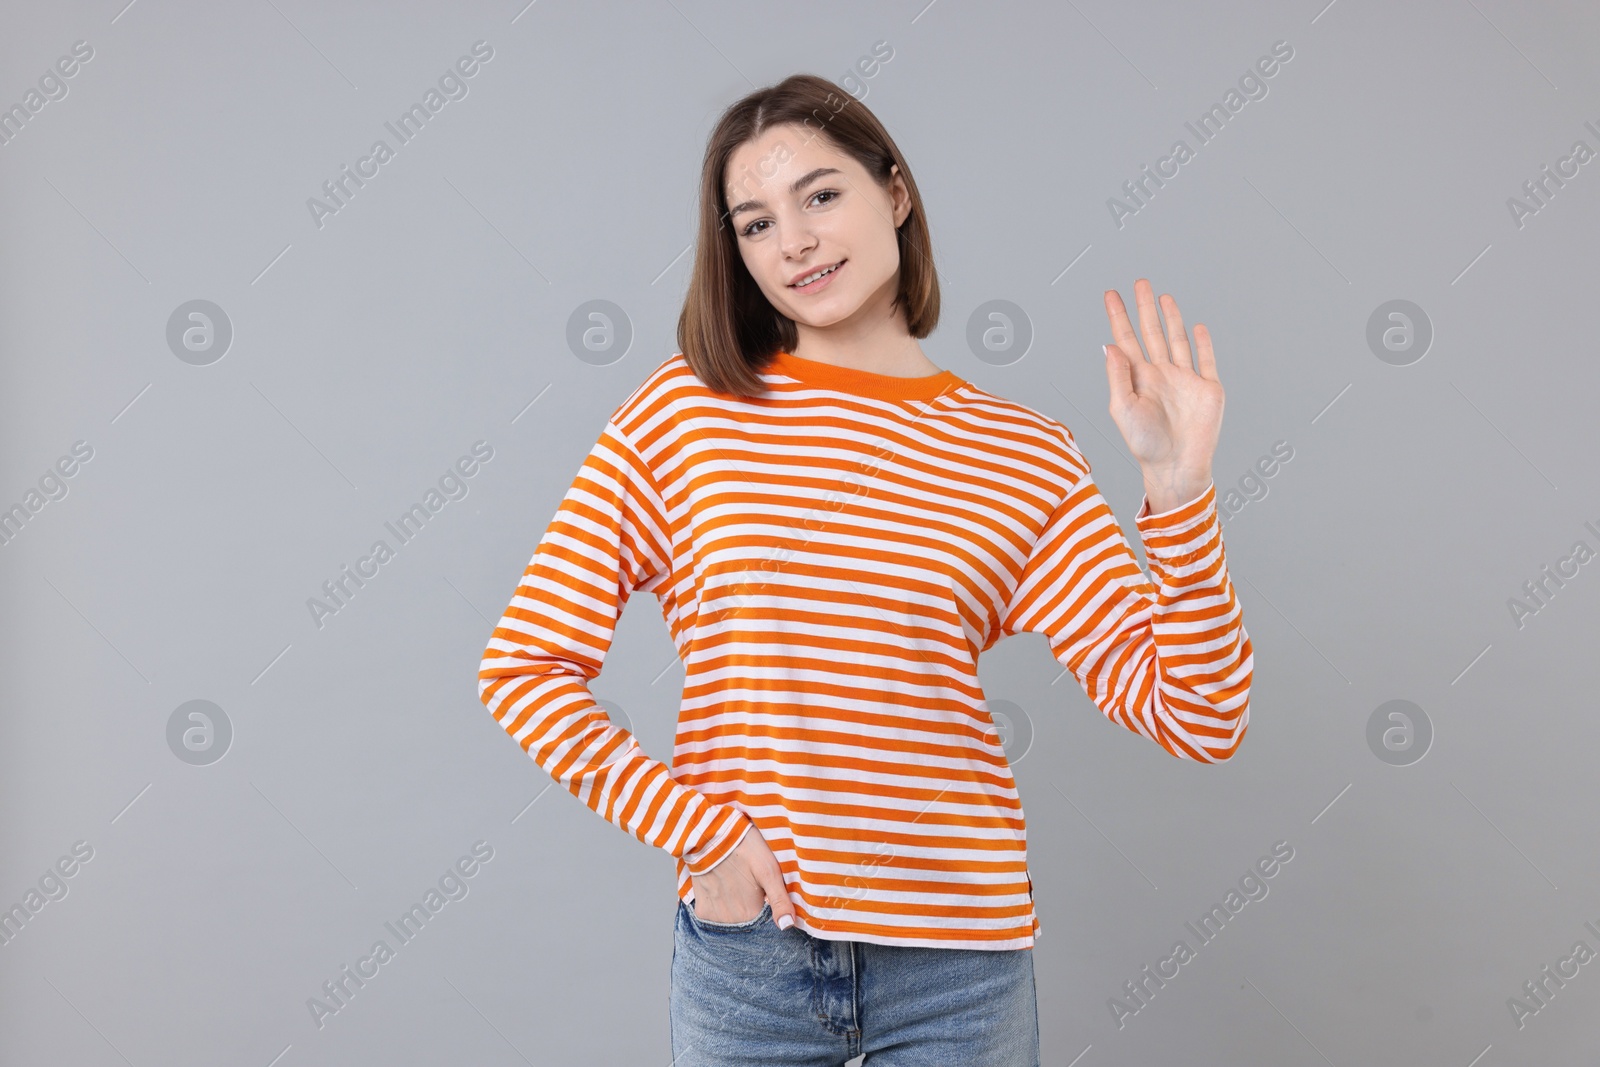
686 896
989 944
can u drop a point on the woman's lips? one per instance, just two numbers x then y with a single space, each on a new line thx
822 282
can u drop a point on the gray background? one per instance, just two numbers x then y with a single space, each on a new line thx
433 311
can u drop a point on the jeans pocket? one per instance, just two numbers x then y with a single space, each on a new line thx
765 915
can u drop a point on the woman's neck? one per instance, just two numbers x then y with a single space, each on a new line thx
899 358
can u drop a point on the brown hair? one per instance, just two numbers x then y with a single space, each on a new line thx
728 330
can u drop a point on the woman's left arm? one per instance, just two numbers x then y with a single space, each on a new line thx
1165 656
1168 659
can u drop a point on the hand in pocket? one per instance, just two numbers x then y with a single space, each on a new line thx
735 889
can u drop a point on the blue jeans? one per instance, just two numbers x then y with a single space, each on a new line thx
751 994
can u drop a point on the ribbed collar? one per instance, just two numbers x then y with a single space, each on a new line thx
864 383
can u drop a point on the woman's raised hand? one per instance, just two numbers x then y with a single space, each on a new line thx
1169 405
734 890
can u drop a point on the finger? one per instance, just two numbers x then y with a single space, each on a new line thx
1122 329
1208 359
1150 322
778 896
1119 372
1177 337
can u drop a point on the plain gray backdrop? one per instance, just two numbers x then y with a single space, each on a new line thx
229 857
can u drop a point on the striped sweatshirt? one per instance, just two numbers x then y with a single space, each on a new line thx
830 559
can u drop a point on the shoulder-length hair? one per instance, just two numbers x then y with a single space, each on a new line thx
728 330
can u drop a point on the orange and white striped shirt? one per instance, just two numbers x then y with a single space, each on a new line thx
830 559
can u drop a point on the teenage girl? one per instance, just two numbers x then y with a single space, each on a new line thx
835 528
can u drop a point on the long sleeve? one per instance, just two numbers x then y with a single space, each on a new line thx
1168 659
609 537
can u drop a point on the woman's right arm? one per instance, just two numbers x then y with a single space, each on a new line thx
608 538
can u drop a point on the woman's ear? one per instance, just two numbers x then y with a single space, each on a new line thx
899 196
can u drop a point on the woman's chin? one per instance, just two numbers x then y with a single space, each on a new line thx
820 318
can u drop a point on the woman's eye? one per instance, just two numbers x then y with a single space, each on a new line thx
751 229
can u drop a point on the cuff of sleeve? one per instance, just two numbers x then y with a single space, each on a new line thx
1181 518
1184 539
724 840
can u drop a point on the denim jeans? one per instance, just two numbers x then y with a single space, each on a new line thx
749 993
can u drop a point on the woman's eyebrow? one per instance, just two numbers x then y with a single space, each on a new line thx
799 184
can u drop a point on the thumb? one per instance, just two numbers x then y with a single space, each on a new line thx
778 896
1119 372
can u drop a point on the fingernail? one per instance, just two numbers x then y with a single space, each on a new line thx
785 921
1105 350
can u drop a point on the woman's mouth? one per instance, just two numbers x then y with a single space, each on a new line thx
818 279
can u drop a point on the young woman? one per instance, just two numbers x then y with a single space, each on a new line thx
835 528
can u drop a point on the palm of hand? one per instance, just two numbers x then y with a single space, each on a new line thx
1169 412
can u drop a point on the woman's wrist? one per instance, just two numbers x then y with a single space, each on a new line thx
1168 489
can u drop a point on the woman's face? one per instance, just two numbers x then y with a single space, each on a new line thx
798 206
